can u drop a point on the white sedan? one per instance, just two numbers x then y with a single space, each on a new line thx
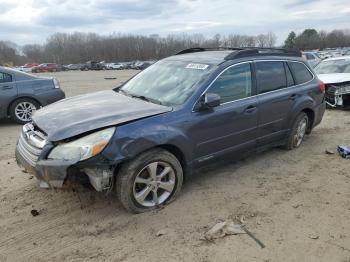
115 66
335 73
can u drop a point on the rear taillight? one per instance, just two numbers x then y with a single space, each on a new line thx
56 83
322 87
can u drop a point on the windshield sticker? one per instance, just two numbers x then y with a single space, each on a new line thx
197 66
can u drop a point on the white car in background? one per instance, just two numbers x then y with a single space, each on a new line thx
115 66
335 73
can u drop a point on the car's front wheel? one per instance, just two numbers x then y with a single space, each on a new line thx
151 180
21 110
298 131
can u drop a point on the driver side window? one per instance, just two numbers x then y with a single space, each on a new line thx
233 84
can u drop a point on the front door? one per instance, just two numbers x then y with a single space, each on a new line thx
232 126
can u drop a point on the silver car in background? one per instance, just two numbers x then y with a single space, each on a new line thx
21 94
312 58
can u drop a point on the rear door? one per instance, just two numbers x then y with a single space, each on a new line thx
8 91
276 98
232 126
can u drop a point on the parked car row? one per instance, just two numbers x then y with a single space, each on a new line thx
138 65
89 65
315 57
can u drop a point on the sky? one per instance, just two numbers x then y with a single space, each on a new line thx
32 21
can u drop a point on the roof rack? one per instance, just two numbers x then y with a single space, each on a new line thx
241 52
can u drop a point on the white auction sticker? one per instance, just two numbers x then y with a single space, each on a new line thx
197 66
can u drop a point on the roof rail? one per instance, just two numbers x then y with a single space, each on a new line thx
240 52
202 49
258 51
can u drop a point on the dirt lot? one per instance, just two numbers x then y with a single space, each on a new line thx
296 202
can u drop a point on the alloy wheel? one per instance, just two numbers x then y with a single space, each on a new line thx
24 111
300 132
154 184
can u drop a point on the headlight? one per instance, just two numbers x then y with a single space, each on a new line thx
83 148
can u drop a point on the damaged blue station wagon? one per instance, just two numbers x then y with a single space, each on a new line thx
142 138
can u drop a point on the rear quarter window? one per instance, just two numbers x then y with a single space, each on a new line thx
270 76
300 72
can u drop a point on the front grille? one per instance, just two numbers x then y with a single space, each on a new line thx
30 144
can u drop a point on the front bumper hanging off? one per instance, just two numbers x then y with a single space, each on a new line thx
32 147
337 95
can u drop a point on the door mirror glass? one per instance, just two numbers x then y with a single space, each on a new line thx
211 100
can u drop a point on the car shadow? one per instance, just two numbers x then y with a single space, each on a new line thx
8 122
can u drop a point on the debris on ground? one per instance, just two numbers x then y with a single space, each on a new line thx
31 177
329 152
222 229
314 236
344 151
34 212
297 205
261 244
161 232
110 78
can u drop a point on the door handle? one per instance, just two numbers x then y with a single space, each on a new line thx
293 97
250 109
7 87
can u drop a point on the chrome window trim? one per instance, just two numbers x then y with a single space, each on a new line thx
251 61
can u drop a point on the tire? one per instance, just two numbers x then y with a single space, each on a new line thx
129 192
298 131
23 104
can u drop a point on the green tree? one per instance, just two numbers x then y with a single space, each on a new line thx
289 43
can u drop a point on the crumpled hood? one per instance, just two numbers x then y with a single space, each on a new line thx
80 114
334 78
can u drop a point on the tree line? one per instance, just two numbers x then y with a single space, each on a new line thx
311 39
67 48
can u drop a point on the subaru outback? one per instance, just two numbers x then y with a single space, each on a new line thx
143 138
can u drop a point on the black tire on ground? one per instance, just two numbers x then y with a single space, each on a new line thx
16 103
292 141
129 171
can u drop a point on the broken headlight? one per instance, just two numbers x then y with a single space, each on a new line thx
83 148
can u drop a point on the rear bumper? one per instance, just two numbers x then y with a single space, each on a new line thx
52 96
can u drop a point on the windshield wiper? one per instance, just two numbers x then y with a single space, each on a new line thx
147 99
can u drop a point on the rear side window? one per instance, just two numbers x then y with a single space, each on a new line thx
233 84
270 76
300 72
5 78
309 57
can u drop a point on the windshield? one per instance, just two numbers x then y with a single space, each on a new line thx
167 82
333 66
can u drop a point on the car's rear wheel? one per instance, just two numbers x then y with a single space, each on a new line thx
21 110
298 131
150 181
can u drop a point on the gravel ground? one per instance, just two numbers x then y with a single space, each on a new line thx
296 202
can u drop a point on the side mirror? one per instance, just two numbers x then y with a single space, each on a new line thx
211 100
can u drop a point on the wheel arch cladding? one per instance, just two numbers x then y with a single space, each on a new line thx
311 116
